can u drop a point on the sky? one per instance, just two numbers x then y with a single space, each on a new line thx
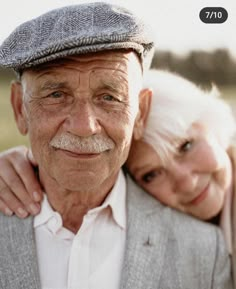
176 24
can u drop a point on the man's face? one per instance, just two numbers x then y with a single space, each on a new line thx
80 113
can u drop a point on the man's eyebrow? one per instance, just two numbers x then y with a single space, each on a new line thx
112 86
115 85
53 85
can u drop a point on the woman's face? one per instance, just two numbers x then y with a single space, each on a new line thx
193 180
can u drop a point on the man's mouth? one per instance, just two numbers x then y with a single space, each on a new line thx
79 154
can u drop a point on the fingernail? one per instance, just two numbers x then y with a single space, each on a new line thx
22 212
8 212
36 196
34 209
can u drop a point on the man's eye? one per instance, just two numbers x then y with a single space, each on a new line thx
109 97
56 98
148 177
56 94
185 146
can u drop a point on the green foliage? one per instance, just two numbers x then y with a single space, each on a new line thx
9 135
200 66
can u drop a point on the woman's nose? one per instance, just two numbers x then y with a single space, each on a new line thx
184 179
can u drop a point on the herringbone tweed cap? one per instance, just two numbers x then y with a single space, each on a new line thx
76 29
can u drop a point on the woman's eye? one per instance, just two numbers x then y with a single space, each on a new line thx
148 177
186 146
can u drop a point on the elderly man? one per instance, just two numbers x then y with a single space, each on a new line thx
79 98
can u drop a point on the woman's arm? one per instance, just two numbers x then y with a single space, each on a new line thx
20 191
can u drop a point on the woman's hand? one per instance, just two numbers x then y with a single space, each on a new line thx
20 191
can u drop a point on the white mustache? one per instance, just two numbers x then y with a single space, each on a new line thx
77 144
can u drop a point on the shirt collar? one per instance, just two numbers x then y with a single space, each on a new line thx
45 214
116 200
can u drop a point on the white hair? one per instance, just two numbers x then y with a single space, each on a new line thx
177 103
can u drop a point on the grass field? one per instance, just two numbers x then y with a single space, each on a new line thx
8 130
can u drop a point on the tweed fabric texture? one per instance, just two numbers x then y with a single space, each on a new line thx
76 29
167 249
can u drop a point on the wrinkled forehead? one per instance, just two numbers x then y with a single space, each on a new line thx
119 71
123 61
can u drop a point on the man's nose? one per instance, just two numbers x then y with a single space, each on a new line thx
185 179
82 120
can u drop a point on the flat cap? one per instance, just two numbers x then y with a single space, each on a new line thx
76 29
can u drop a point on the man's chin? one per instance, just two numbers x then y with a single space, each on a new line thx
78 180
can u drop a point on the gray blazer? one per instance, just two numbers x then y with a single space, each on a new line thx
165 249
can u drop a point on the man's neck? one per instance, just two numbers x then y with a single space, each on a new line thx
73 205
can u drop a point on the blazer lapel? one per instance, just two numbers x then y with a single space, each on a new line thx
146 240
18 260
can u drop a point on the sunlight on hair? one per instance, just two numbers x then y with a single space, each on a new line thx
177 103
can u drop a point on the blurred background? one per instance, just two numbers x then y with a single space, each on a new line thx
203 53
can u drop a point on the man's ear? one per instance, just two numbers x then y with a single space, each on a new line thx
145 98
18 107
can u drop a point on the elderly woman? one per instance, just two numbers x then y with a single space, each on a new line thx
185 158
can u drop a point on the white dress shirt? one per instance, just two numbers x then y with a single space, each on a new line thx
93 257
